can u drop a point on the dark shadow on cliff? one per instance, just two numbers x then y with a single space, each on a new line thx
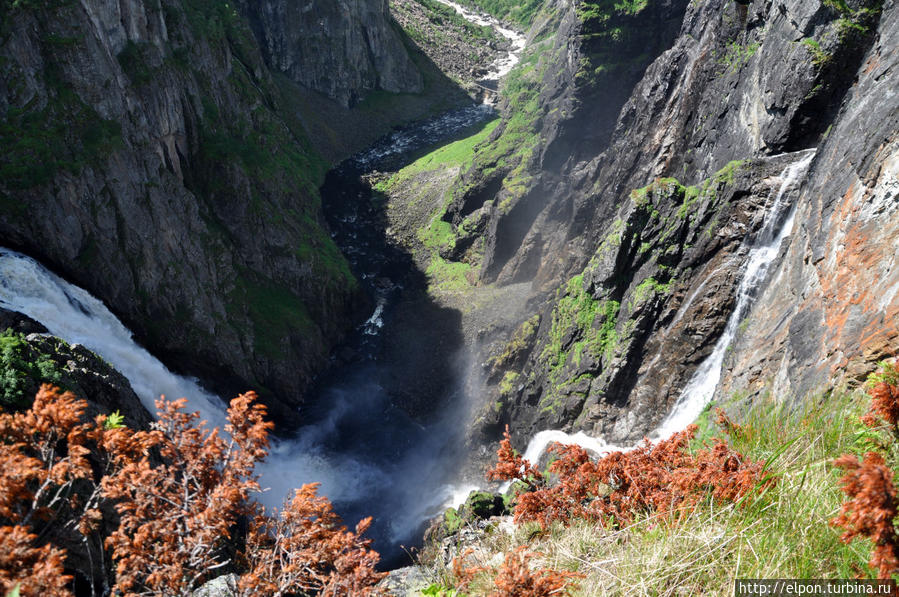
339 132
380 429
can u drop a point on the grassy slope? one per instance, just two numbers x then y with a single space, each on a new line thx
783 533
418 192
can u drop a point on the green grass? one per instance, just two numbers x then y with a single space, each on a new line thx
438 236
448 276
819 56
442 15
133 63
63 133
458 153
507 384
736 55
276 313
782 532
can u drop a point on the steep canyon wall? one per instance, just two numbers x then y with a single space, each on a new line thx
655 138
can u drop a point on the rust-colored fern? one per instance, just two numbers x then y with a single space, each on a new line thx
306 549
512 465
180 491
662 477
870 509
884 391
516 578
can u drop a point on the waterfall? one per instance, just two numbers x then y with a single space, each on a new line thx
74 315
701 387
699 390
78 318
397 485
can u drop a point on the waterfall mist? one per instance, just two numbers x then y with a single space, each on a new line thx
369 456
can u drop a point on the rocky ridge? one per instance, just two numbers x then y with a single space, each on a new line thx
71 367
630 205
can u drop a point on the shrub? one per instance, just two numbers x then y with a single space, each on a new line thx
516 577
871 509
872 506
883 387
664 477
180 492
21 371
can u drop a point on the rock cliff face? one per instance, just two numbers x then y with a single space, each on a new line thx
651 139
342 48
149 157
831 307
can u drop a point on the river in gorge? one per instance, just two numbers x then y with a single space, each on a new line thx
370 457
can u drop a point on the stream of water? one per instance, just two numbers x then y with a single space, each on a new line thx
504 65
368 455
776 226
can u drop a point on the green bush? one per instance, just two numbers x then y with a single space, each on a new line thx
22 370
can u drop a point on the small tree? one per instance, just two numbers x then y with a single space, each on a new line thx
307 550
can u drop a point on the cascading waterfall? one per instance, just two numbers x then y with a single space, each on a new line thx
701 387
77 317
699 390
74 315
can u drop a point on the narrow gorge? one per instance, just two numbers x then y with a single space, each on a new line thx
418 228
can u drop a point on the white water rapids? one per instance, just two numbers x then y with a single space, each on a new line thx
700 389
72 314
504 64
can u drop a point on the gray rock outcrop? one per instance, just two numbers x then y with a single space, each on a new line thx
341 48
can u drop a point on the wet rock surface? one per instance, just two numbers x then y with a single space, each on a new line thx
829 311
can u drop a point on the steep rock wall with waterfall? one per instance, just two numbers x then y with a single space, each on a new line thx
642 185
151 155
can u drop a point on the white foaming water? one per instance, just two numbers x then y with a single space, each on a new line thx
540 442
701 387
77 317
504 64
